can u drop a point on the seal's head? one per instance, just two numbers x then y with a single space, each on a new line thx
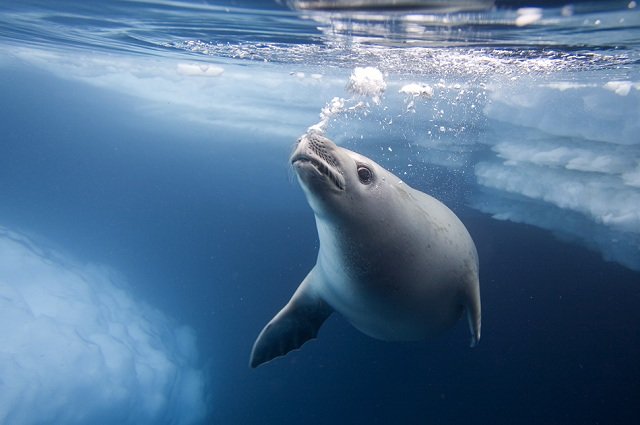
337 181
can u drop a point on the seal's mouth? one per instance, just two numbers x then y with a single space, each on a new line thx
321 167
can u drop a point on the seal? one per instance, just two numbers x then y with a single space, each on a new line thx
395 262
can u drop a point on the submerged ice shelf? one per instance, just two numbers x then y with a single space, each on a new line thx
567 158
59 318
565 141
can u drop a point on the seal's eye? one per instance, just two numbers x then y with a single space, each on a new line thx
364 174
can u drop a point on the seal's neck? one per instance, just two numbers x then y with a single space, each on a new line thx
331 244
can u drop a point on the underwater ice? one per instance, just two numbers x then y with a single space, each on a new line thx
78 349
202 70
567 158
559 153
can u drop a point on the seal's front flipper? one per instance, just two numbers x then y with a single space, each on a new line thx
294 325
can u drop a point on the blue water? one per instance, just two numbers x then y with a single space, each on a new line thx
150 224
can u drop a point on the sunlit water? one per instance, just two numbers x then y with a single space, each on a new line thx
150 224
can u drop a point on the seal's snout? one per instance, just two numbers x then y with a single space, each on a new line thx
315 153
314 143
319 145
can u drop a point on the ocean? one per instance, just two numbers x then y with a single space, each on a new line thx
151 223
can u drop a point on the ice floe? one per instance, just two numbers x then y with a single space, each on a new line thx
77 348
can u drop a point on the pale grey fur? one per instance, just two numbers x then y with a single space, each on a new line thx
395 262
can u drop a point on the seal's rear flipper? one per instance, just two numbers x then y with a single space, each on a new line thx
294 325
474 315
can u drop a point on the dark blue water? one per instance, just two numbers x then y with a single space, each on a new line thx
150 224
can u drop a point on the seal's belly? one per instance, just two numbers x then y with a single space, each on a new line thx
399 314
